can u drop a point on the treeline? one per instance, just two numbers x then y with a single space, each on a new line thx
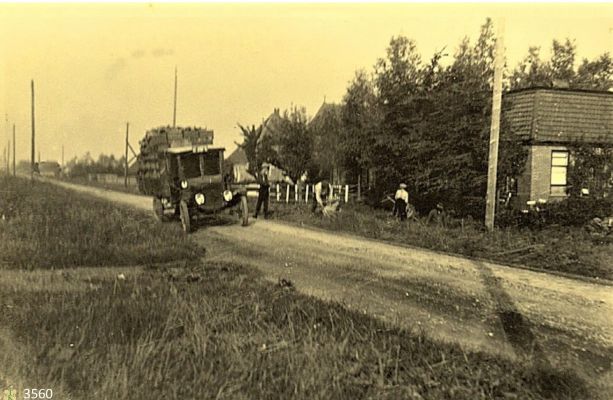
425 122
105 164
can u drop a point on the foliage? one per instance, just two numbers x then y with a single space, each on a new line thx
360 119
570 212
560 69
106 164
295 143
591 168
251 145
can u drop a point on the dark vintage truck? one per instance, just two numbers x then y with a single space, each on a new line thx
184 174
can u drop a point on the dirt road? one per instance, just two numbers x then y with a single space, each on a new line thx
516 313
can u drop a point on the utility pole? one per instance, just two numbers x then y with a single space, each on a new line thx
8 158
174 113
125 175
62 156
33 136
490 205
14 159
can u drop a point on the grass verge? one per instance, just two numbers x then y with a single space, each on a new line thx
220 331
563 249
44 226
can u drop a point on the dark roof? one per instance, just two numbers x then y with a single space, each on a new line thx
325 109
237 157
560 115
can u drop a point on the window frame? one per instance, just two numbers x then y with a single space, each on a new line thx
554 186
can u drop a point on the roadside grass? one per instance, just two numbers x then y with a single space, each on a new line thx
563 249
118 187
44 226
222 331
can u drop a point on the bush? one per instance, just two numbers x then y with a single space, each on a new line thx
573 211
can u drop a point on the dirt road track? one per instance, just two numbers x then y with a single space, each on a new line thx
517 313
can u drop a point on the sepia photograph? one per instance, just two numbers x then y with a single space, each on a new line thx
306 200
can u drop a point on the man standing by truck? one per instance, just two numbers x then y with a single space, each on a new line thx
263 191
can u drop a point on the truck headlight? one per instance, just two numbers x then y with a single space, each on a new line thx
184 184
199 197
227 195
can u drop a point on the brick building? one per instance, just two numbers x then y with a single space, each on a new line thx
550 120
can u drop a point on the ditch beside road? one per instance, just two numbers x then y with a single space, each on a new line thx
517 313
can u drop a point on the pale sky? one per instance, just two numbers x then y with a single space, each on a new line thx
96 67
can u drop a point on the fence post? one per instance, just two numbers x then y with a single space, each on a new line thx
296 194
306 196
346 194
287 194
278 193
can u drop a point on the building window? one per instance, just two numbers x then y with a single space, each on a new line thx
559 169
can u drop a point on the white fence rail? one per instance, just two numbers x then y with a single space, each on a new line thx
286 193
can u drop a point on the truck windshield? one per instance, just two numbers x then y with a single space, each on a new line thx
190 164
210 164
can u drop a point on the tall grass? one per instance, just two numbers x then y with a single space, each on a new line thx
43 226
564 249
231 335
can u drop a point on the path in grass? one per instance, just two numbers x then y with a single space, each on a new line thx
503 310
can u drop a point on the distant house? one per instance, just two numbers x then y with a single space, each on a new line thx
550 120
238 159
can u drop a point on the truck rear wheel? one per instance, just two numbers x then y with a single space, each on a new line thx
158 209
244 211
185 220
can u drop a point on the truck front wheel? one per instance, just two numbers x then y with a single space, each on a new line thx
244 210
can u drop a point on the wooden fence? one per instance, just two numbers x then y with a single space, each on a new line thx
286 193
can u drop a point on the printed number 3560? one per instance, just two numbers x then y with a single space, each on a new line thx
37 394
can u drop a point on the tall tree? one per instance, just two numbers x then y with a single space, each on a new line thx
295 143
360 120
563 60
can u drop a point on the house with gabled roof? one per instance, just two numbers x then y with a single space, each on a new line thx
551 121
238 159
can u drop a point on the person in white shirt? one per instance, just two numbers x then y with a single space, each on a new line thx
401 201
323 192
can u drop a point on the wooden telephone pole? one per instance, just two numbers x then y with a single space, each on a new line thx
33 161
492 170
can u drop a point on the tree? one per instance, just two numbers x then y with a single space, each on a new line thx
597 74
295 144
531 71
360 120
250 145
398 82
563 61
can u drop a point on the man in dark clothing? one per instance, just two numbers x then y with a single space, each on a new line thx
263 192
